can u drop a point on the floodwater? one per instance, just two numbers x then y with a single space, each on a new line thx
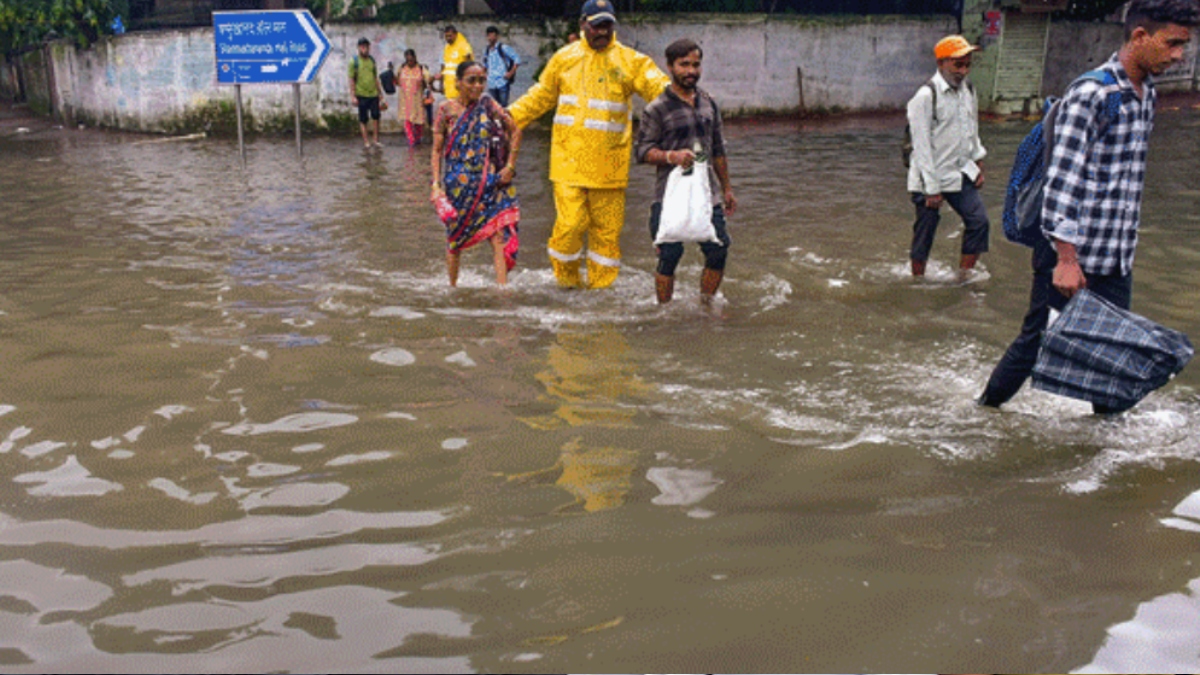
246 426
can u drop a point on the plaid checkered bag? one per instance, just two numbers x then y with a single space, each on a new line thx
1101 353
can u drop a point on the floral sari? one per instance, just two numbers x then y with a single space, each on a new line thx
472 181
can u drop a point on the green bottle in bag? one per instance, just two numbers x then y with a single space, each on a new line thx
698 152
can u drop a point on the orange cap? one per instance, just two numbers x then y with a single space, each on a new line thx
952 47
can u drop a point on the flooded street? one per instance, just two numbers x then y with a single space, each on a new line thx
245 425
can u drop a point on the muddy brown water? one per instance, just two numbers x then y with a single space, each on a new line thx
245 426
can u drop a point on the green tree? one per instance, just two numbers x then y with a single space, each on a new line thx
24 23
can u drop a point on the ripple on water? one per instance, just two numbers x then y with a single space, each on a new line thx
263 570
41 448
268 470
346 460
48 589
295 495
279 625
394 356
175 491
71 479
1188 512
251 530
397 313
461 359
298 423
14 436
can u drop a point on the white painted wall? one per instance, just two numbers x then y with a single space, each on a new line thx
148 81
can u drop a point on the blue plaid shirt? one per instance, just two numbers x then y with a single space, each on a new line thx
1094 184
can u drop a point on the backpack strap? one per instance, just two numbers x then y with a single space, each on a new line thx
1112 108
1112 99
933 90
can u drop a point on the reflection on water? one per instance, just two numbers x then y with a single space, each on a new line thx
246 426
1163 633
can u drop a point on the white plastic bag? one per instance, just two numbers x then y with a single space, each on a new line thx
687 207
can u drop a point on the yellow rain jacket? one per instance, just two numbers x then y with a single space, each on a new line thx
593 135
452 55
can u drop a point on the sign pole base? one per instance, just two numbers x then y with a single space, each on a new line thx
237 90
296 96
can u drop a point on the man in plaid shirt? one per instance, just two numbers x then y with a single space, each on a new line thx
1094 183
681 119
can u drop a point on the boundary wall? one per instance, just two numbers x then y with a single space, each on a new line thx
166 81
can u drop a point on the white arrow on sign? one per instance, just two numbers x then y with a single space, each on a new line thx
318 39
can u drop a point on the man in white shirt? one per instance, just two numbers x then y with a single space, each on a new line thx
947 156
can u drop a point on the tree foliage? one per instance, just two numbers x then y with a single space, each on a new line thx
25 23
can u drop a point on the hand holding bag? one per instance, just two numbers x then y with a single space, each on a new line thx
687 207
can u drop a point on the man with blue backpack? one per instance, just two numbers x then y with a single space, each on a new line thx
1085 233
501 62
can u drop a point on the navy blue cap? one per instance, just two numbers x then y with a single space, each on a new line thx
596 11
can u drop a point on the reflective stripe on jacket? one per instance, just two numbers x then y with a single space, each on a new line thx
590 93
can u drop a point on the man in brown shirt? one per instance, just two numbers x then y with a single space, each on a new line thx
671 126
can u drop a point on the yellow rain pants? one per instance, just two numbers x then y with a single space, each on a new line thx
598 214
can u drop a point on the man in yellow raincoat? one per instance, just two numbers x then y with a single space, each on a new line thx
590 84
456 51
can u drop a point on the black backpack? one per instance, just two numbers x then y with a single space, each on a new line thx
387 79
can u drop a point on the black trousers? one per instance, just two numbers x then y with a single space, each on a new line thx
669 254
966 203
1017 363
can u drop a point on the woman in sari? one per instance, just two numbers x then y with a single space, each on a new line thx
413 83
475 145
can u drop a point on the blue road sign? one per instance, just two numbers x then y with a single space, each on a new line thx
284 46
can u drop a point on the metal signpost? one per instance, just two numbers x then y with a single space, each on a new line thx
269 47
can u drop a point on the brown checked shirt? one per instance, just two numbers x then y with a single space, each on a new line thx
670 123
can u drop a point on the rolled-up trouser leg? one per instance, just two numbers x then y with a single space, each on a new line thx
924 229
566 241
607 209
969 206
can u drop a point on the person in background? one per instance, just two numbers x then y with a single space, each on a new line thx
947 156
475 146
1094 181
456 51
502 62
683 117
365 91
413 81
590 85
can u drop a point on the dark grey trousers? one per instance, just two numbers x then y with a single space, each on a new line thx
966 203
